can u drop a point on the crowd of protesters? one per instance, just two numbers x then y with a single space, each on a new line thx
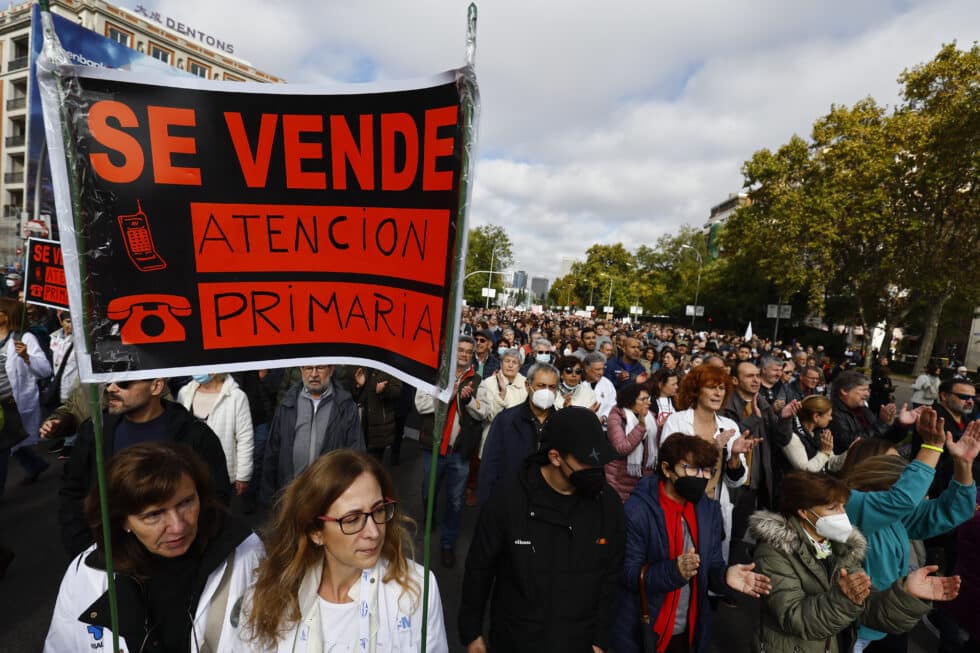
631 480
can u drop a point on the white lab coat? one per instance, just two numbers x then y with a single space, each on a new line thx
23 382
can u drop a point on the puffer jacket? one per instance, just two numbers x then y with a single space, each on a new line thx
806 610
231 420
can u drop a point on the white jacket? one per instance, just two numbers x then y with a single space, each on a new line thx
582 395
399 620
60 342
82 585
231 421
490 403
23 381
683 422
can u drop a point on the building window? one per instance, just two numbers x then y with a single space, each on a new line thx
160 53
228 77
119 35
198 68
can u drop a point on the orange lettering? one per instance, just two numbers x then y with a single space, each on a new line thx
116 140
343 147
163 146
255 168
436 147
296 150
392 125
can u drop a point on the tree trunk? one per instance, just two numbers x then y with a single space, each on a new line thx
929 334
886 343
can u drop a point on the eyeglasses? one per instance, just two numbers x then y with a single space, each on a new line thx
577 371
482 340
644 399
354 522
691 470
965 397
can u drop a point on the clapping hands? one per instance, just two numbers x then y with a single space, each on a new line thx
932 588
855 587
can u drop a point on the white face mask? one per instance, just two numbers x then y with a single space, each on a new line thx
834 527
543 398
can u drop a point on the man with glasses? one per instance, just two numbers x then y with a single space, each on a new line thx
806 385
459 439
135 412
315 416
485 362
957 401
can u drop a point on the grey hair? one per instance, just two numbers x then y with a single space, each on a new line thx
469 339
511 353
541 367
594 357
768 360
542 342
849 380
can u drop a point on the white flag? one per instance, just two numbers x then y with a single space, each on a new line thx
748 333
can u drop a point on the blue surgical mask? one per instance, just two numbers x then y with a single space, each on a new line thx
543 358
202 378
501 350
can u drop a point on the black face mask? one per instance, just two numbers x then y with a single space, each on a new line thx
691 488
588 482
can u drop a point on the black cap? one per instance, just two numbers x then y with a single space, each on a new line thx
576 430
484 333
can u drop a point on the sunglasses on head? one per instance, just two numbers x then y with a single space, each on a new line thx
573 370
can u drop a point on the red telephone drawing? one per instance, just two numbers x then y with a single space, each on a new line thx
139 241
150 318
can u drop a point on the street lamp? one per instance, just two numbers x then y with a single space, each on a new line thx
697 288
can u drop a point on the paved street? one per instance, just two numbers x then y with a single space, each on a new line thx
28 524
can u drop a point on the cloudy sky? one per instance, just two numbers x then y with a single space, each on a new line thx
605 121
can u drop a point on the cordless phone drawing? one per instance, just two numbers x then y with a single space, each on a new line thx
139 241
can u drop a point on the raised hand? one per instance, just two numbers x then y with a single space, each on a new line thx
826 442
360 378
907 417
887 413
742 579
380 386
745 444
688 563
722 437
662 419
968 446
855 587
932 588
790 409
929 426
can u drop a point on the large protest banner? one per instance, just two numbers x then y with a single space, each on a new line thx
218 227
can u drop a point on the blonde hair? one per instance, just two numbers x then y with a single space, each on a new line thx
290 554
876 474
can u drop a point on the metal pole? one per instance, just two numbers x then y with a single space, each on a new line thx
490 275
697 290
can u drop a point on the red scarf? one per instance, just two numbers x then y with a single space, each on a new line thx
673 513
447 430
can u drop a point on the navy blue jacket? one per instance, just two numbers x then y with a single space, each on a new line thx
616 364
514 434
646 541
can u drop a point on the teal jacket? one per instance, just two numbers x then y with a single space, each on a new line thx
889 519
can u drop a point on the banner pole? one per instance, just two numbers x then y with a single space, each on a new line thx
467 83
53 52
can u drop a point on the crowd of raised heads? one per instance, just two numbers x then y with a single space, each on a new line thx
628 481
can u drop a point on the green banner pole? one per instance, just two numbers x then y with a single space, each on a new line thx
53 52
447 369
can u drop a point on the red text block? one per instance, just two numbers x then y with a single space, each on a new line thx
256 314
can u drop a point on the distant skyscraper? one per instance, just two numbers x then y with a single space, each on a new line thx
520 280
539 287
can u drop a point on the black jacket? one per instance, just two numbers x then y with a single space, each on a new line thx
553 563
847 428
343 432
769 465
514 434
80 472
135 624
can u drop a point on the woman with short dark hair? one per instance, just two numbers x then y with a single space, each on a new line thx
632 431
674 547
820 591
176 554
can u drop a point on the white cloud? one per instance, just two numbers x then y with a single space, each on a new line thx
613 121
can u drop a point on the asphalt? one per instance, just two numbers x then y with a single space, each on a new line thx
28 525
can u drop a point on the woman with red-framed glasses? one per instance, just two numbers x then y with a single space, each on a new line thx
336 575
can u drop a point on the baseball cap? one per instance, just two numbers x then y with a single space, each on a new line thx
484 333
576 430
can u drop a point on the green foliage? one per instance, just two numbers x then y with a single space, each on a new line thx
489 247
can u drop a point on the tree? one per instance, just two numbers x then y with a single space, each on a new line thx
489 247
938 188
